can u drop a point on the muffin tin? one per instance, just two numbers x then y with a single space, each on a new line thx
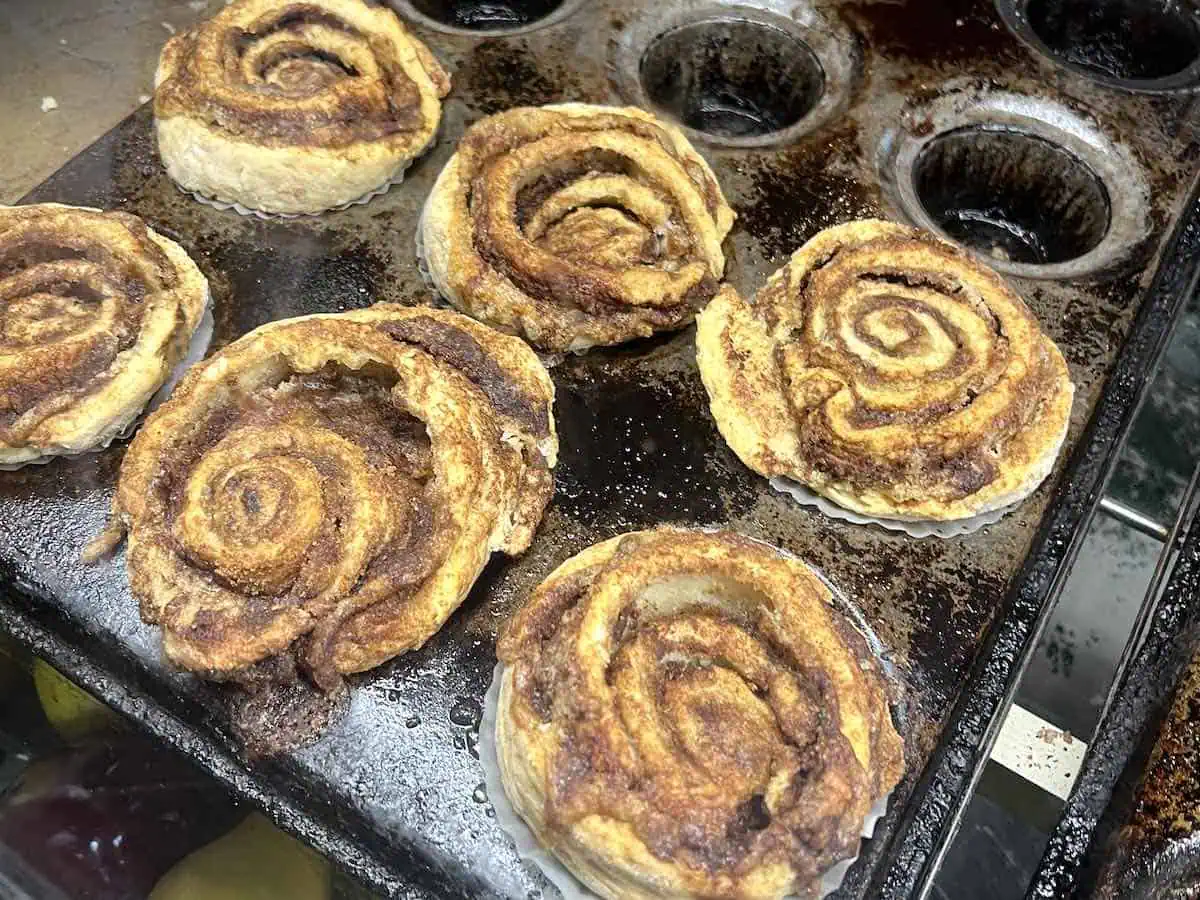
956 114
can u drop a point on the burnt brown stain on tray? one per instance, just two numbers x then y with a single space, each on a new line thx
288 282
502 73
965 33
639 453
799 191
399 773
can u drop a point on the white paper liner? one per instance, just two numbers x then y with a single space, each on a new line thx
197 347
918 528
541 859
225 206
422 262
440 300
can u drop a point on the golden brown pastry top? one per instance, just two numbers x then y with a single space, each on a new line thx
97 309
577 225
331 486
325 73
686 715
890 371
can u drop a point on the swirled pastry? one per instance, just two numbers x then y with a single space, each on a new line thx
331 486
684 714
576 226
295 107
97 309
891 372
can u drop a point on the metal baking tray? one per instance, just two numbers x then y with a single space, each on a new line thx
393 791
1121 832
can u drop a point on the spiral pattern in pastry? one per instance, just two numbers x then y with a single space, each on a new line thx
576 225
295 107
891 372
332 486
683 714
96 309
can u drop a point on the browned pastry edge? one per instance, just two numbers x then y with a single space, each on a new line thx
891 372
98 309
327 102
576 225
684 714
331 486
295 108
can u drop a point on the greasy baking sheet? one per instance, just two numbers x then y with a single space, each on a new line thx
393 790
1129 827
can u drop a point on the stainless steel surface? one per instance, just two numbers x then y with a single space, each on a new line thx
71 70
1134 519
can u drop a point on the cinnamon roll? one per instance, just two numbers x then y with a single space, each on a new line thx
328 488
576 226
96 309
890 372
684 714
295 107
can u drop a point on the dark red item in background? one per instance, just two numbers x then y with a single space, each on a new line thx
107 821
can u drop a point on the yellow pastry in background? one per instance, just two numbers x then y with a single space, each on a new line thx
71 711
255 861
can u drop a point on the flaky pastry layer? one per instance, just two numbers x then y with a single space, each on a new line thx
576 225
98 310
295 107
683 714
331 486
891 372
